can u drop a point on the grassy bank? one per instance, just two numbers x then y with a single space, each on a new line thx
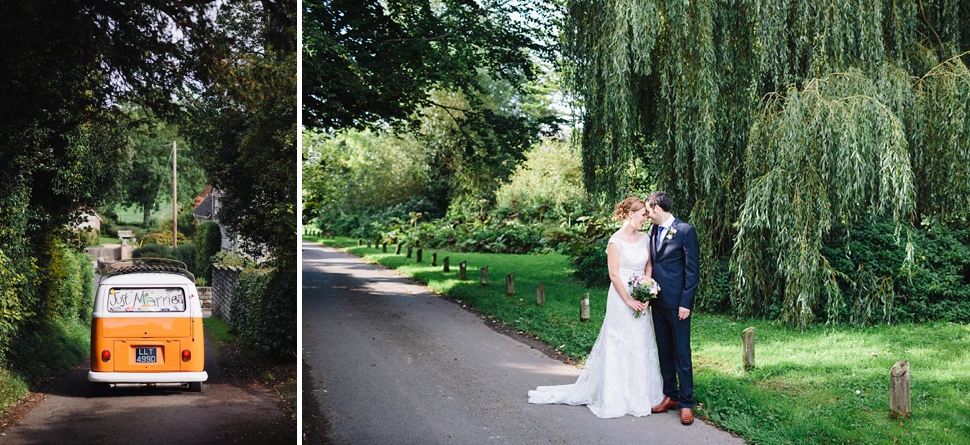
825 384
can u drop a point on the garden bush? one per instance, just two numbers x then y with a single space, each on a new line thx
878 285
208 242
184 252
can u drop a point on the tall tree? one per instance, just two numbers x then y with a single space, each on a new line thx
375 61
246 120
771 120
63 140
149 178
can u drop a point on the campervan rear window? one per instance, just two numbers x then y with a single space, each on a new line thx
146 299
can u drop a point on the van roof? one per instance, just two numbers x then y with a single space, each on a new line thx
144 267
154 279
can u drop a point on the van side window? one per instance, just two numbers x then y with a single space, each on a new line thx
146 299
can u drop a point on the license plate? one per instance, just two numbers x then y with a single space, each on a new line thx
146 355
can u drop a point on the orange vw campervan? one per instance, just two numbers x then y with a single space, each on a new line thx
146 329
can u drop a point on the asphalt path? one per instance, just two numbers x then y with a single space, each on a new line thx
225 412
392 363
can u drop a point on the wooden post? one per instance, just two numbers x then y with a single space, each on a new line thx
384 247
462 273
368 244
420 250
540 294
409 252
899 399
485 276
510 283
434 259
584 308
747 340
445 262
360 242
397 251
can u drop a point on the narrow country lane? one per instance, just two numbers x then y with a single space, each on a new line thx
225 412
392 363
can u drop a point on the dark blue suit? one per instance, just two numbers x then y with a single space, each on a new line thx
675 268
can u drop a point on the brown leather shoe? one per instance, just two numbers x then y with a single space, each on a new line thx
686 416
665 404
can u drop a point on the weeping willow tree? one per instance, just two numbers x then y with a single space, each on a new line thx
770 121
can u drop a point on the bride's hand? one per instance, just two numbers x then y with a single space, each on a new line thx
636 305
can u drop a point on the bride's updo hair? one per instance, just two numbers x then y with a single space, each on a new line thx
628 206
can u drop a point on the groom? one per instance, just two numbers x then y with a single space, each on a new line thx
675 267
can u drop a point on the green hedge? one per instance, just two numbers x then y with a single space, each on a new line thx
208 242
184 252
263 310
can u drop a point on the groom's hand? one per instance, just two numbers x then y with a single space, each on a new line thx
683 313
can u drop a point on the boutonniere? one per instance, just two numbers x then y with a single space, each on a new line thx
671 233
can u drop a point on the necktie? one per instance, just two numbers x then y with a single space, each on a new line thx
660 236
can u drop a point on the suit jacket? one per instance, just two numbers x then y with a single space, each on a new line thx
675 265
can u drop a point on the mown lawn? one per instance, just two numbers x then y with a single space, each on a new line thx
825 384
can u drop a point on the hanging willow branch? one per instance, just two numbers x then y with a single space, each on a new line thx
733 107
831 152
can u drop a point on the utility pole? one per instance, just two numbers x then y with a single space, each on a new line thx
175 200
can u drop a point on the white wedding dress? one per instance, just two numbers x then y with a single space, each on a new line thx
622 373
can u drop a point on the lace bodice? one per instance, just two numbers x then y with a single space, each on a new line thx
633 256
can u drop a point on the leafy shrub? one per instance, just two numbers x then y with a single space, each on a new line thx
184 252
878 286
14 308
591 266
152 251
208 242
230 258
162 237
247 302
48 347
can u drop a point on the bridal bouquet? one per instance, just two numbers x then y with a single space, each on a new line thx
643 289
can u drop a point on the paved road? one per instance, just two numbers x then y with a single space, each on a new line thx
392 363
225 412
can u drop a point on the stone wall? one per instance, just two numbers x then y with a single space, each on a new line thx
223 280
205 297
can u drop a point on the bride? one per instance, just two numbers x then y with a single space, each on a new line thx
622 373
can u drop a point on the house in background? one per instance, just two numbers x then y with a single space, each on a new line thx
89 219
207 210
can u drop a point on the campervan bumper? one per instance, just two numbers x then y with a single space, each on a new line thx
147 377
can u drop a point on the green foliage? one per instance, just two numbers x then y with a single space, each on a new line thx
230 258
247 302
15 305
246 120
591 265
880 287
368 62
263 311
208 242
150 175
547 185
184 252
357 171
770 121
47 348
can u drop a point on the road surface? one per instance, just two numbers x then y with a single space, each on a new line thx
225 412
392 363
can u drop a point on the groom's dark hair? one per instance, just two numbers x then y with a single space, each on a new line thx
660 198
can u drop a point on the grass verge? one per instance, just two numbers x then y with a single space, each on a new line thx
825 384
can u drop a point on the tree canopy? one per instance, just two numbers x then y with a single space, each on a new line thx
375 61
769 121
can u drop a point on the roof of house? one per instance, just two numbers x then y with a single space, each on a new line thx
202 196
